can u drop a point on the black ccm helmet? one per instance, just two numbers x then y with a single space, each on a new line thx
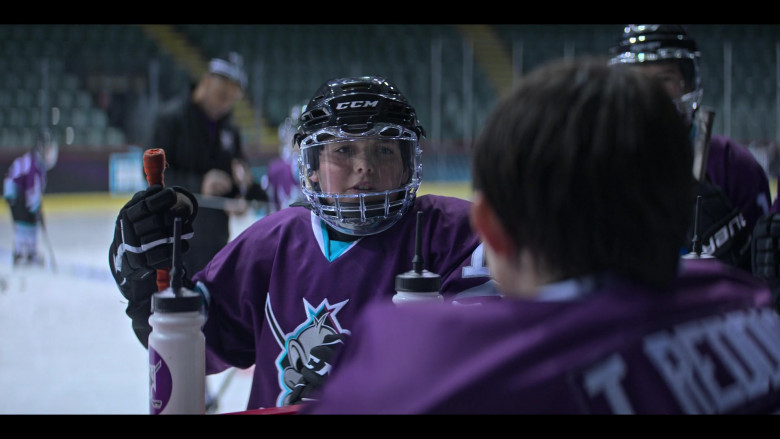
344 115
642 43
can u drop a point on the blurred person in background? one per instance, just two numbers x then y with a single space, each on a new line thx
205 155
23 188
734 187
281 182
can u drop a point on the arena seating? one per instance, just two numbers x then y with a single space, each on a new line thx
104 79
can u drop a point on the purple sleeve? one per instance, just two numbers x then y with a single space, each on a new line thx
734 168
237 278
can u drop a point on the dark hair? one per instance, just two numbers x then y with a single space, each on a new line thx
589 167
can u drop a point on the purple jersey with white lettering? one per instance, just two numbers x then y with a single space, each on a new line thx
710 345
278 288
281 184
737 172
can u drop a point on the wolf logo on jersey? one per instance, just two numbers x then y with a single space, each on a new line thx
297 345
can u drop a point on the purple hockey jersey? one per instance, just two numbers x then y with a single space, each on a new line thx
274 291
708 346
26 175
735 170
281 184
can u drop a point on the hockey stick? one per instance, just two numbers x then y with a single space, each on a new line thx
154 166
213 405
231 205
48 244
701 143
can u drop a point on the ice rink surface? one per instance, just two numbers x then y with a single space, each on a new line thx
66 346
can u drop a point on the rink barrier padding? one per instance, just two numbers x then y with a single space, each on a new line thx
113 202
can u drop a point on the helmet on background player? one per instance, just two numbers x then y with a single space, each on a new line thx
653 43
47 147
287 131
361 126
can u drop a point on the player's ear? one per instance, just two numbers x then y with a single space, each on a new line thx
487 225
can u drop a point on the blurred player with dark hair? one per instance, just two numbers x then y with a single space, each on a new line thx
582 232
23 189
283 295
734 187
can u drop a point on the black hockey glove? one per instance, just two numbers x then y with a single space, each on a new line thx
316 370
765 249
723 229
143 243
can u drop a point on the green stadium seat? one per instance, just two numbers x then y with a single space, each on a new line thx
94 137
79 118
6 100
82 100
15 117
97 118
8 137
115 137
12 81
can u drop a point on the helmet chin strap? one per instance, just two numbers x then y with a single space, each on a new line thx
335 235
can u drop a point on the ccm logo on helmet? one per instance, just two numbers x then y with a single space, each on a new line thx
356 104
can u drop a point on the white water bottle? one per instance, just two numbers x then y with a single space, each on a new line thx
177 354
418 284
177 346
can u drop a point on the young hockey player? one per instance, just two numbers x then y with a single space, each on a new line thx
600 315
734 186
293 283
23 189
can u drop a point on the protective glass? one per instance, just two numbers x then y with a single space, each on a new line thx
360 183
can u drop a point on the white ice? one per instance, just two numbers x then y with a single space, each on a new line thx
66 345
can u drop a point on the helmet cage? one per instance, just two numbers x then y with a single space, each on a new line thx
358 214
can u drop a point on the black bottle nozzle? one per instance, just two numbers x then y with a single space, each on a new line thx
418 279
418 264
176 269
696 249
696 242
181 299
